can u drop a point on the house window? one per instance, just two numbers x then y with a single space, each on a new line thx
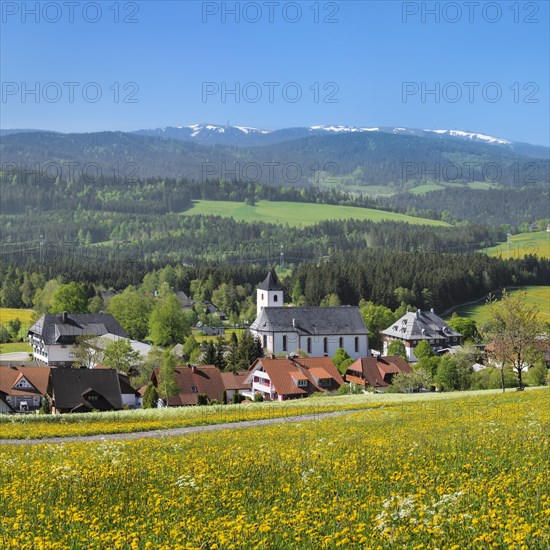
309 345
356 344
325 345
324 382
284 342
340 342
275 298
302 383
71 355
265 341
92 398
193 389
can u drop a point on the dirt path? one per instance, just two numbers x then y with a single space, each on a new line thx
176 431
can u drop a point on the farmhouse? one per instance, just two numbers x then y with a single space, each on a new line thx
292 377
84 390
54 336
319 331
23 388
414 327
376 372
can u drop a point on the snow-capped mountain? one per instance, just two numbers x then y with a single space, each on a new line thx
246 136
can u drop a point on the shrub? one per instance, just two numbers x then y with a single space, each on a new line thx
202 399
4 335
150 397
538 375
258 397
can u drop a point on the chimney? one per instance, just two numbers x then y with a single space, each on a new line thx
418 314
64 317
432 310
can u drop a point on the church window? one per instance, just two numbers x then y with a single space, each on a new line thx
309 345
284 342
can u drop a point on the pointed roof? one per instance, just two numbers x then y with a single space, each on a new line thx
271 282
420 325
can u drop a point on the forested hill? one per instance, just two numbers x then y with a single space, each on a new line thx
360 159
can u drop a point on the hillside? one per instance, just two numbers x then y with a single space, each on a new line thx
297 214
360 158
536 295
521 245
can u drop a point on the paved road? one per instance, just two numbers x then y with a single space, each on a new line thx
176 431
17 356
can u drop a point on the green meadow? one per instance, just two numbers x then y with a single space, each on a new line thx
297 213
536 295
521 245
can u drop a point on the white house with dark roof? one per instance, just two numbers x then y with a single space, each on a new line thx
54 337
319 331
414 327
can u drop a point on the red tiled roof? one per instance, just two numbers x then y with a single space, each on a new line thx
39 377
283 372
234 380
373 370
205 379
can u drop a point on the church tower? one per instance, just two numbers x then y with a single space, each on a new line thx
269 293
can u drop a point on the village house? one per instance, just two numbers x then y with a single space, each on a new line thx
292 377
23 388
414 327
192 381
84 390
54 337
376 372
235 383
318 331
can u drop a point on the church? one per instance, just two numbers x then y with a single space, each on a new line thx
318 331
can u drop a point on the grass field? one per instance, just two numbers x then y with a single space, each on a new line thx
296 213
8 314
14 347
226 336
523 244
536 295
449 474
69 425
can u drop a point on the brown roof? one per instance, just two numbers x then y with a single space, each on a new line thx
39 377
235 380
194 380
377 372
284 372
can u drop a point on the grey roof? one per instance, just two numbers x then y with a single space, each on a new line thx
54 330
184 300
271 282
420 325
311 320
70 386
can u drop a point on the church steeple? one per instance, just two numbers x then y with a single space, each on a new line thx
269 292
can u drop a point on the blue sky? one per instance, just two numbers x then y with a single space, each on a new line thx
354 63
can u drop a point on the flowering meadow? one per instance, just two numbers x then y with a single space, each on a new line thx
448 475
